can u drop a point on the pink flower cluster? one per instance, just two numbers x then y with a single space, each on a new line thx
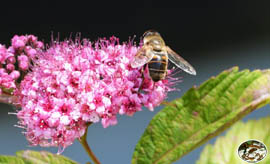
74 83
15 60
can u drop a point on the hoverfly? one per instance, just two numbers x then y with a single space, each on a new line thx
155 54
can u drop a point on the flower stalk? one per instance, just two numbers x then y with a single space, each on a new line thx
7 98
83 141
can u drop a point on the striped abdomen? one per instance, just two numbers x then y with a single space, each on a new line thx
158 66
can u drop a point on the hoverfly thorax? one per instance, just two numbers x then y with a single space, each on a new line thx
156 43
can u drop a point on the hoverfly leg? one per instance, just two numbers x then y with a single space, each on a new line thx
154 86
142 72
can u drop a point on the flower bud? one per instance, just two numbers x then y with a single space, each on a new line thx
10 67
15 74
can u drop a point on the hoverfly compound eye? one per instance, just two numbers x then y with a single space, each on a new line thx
150 32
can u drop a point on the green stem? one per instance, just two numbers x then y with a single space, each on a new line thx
83 141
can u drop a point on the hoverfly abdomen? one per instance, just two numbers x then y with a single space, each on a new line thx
158 66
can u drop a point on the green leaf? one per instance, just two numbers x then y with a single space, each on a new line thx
4 159
225 148
201 114
34 157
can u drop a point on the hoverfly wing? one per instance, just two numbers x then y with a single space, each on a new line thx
143 56
180 62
